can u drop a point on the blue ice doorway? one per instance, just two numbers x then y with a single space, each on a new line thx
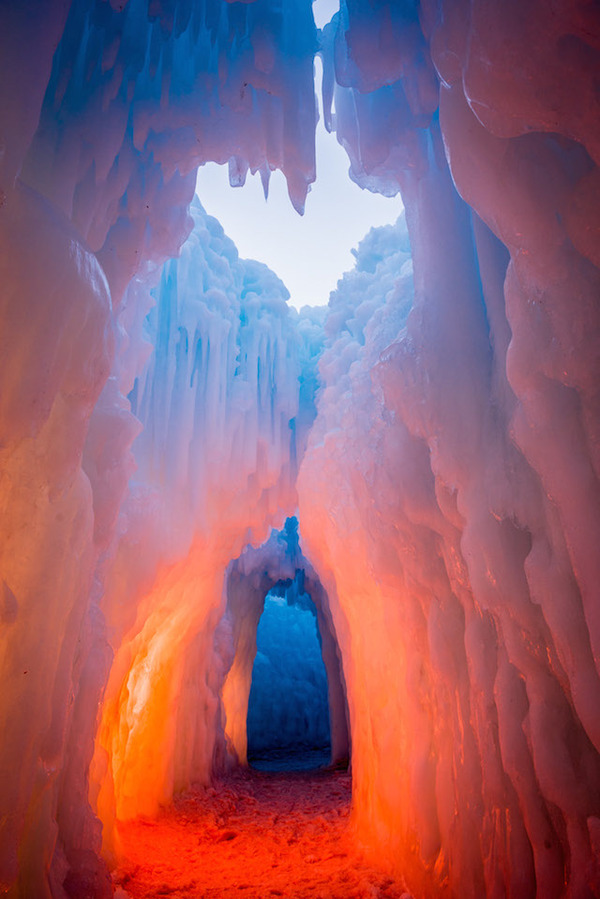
288 710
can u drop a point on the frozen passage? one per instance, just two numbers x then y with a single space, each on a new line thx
436 429
287 706
276 639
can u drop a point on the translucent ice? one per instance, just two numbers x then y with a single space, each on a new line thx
158 415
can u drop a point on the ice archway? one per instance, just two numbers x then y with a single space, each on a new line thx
446 478
288 723
248 581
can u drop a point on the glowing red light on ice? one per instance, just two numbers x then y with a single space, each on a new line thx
255 835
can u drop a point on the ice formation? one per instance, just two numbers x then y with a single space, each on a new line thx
279 565
158 418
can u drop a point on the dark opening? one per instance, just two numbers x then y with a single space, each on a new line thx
288 709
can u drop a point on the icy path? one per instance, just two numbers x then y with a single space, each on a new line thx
259 835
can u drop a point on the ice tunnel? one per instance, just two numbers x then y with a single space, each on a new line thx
313 709
288 712
436 430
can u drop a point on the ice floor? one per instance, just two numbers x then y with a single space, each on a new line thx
254 836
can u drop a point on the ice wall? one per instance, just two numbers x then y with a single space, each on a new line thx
56 343
106 109
215 401
464 521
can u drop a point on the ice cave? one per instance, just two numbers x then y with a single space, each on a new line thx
433 429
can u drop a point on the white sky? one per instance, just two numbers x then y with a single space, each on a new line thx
310 252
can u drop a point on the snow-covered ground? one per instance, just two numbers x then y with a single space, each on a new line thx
254 836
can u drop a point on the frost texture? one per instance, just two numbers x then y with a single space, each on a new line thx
448 487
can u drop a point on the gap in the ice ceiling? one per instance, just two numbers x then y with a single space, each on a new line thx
288 723
308 253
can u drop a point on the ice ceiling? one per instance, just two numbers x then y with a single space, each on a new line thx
445 471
